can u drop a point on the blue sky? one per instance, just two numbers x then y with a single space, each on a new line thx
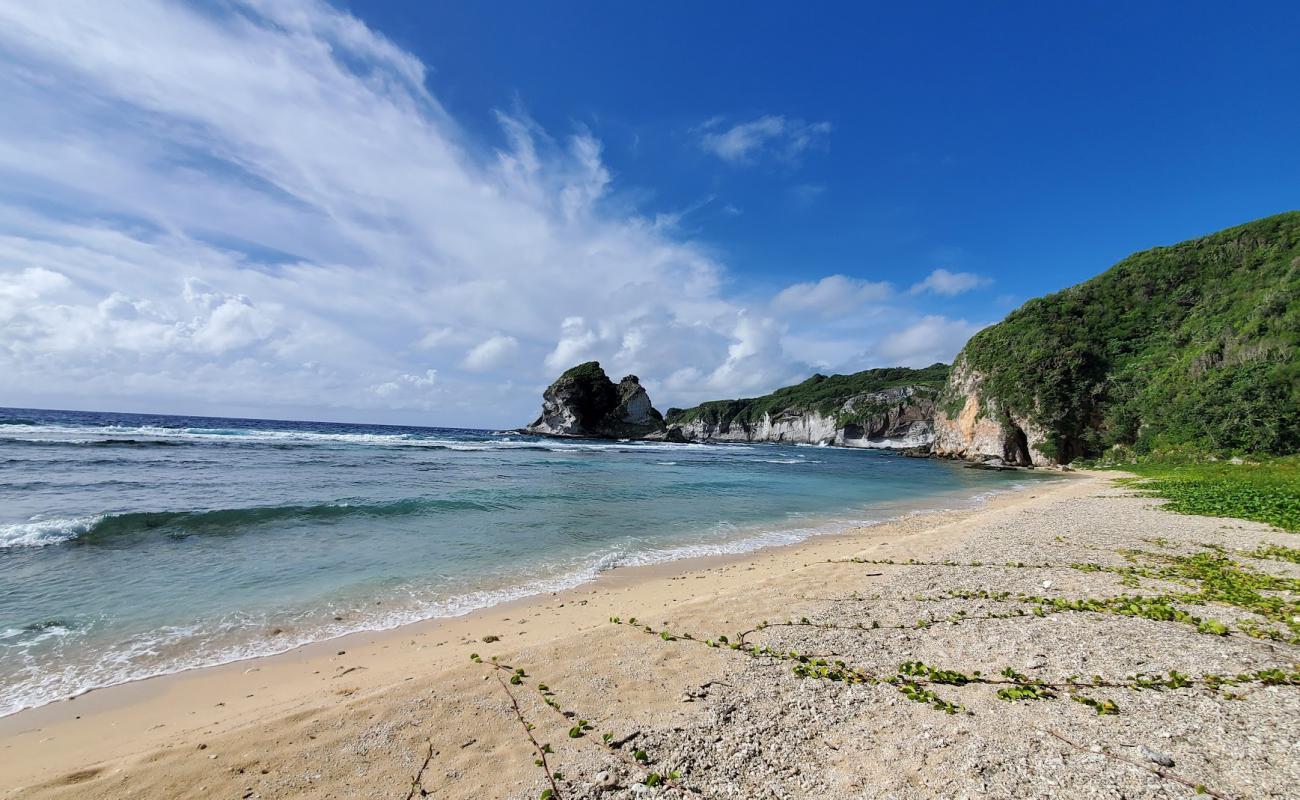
420 212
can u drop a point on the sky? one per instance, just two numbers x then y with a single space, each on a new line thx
414 212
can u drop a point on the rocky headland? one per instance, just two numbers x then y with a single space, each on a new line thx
889 408
1190 348
898 417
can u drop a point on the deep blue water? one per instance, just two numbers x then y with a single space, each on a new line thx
134 545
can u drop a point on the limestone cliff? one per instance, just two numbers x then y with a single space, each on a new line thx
584 402
1190 348
897 417
970 425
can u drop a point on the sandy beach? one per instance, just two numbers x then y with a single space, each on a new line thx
407 712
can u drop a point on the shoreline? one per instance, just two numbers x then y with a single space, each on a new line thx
148 703
535 590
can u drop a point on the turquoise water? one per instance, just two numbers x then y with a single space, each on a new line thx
135 545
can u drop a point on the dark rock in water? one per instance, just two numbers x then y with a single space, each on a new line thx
584 402
993 465
673 434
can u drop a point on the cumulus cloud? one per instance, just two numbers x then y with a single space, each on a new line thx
832 296
770 135
929 339
941 281
263 206
493 352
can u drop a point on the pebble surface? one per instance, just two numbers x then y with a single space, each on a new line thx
761 731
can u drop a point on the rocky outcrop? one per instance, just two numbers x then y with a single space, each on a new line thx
972 426
898 417
584 402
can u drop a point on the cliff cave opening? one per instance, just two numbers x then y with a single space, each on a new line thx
1017 446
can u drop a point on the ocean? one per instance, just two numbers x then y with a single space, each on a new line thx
137 545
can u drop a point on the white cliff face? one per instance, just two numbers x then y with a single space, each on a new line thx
902 421
557 419
981 429
637 409
918 434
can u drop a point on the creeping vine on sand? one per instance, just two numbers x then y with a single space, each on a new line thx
639 761
912 677
1211 577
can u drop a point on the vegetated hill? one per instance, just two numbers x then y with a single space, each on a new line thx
1193 346
823 394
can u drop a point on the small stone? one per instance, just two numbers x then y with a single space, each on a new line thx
1156 756
1047 584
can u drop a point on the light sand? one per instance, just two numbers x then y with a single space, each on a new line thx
364 715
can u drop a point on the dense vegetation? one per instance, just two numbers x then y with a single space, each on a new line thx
1267 491
821 393
1190 346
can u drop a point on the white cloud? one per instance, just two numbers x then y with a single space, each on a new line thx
493 352
777 136
577 343
262 206
930 339
941 281
410 391
435 338
834 295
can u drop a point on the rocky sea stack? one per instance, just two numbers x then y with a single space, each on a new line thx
585 403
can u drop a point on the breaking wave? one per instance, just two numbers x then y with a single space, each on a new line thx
101 527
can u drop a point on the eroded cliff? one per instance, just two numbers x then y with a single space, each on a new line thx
899 417
968 424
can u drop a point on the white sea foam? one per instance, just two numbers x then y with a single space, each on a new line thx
83 434
41 532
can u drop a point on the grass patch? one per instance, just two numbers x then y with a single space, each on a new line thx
1266 491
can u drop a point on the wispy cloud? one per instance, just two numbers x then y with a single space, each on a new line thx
943 282
772 136
261 205
804 195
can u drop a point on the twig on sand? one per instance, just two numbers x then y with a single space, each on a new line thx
1153 769
417 783
528 729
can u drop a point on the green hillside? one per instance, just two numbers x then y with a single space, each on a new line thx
1194 346
822 393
